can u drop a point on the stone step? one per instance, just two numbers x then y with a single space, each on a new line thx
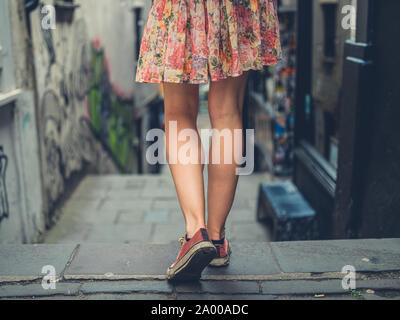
257 261
259 271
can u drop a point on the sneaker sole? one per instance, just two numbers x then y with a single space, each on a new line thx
222 262
190 267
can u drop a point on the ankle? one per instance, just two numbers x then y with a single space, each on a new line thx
216 234
191 229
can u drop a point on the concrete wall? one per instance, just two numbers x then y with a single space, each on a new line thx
21 216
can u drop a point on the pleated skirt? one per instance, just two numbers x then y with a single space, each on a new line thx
195 41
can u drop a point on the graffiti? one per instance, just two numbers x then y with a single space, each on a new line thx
80 62
85 118
4 208
48 39
111 112
67 138
51 131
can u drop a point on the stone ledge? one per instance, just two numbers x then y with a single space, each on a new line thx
367 255
25 262
300 287
268 269
148 261
219 287
204 290
36 290
127 287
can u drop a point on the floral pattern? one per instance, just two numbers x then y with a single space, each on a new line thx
193 41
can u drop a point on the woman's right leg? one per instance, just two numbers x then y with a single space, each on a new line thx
181 107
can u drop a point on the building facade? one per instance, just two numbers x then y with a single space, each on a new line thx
347 154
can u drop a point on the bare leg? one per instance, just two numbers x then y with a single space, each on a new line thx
226 100
182 105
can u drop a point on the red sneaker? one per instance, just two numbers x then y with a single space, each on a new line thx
223 254
193 257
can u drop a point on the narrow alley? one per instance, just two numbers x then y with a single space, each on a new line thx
144 208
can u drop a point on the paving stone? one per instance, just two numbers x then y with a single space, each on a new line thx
322 298
143 179
133 185
108 261
125 194
96 217
249 187
248 259
241 203
333 255
68 231
111 181
237 297
119 233
72 219
153 260
381 284
127 287
116 205
55 297
242 216
93 182
172 204
156 216
380 296
36 290
130 216
222 287
25 262
162 193
88 193
301 287
168 233
82 205
249 232
175 216
136 296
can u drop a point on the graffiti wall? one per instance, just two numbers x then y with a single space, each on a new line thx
110 111
84 78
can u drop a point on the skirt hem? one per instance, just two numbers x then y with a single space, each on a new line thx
224 77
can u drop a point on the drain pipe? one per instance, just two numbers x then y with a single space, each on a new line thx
30 5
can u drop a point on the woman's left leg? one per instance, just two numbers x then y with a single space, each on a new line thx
226 98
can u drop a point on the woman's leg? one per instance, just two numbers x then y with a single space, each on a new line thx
225 100
181 107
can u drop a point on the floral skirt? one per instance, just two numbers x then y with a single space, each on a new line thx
193 41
